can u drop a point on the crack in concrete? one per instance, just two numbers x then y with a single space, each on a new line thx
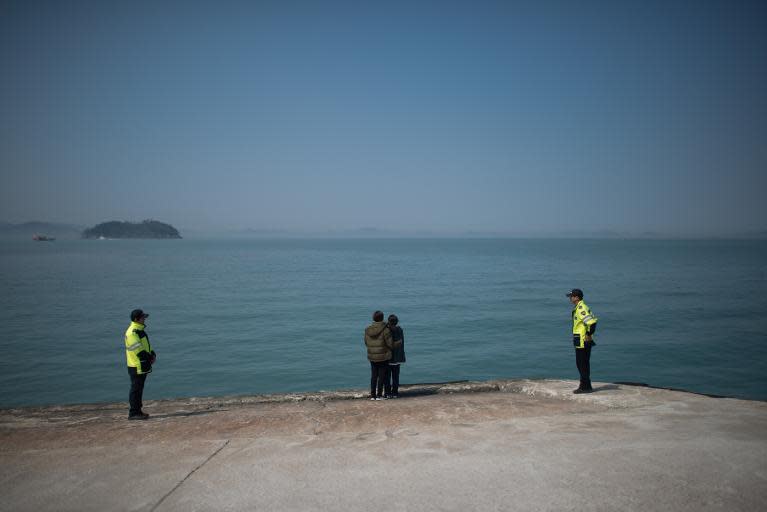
189 475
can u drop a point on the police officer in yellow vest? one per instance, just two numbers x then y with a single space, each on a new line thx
584 325
140 359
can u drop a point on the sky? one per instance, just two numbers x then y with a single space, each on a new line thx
518 118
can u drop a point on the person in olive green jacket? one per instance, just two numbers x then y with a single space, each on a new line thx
378 341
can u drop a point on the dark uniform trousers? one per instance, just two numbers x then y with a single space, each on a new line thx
136 391
582 361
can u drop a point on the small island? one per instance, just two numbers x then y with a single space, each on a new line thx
145 229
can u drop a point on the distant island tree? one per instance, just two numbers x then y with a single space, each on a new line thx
145 229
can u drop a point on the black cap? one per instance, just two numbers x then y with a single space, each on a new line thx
577 292
137 315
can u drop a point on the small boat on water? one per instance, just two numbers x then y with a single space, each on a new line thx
42 238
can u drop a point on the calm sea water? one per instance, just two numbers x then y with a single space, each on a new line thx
263 316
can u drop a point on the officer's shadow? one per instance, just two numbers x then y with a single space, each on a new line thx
184 414
605 387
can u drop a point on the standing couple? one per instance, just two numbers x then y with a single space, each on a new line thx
385 342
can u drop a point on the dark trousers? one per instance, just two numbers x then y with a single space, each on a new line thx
392 383
136 391
379 374
582 361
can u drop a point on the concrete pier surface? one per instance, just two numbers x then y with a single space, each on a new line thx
498 445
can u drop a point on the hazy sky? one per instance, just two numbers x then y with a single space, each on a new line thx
515 117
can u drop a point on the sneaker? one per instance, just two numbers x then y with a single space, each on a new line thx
139 416
372 398
378 398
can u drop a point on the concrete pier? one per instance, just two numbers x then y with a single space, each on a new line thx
499 445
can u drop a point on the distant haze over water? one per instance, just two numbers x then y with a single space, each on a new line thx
69 231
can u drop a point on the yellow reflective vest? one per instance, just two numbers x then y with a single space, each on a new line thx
583 319
137 348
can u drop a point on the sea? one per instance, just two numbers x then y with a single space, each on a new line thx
255 316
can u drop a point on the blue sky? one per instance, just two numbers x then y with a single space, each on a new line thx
507 117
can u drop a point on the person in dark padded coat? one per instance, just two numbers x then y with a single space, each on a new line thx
397 356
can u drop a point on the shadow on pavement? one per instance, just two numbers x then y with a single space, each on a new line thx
606 387
185 414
